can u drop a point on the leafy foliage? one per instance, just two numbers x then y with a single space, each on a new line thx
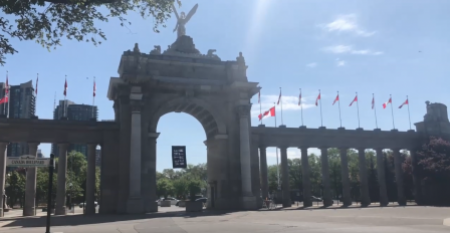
164 187
48 21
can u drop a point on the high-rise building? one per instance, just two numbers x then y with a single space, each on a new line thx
21 105
74 112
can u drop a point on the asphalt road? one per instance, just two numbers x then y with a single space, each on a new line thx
411 219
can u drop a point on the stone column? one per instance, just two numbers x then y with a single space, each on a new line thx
381 178
134 202
263 167
307 202
60 208
416 178
399 177
285 178
3 146
150 172
326 197
346 198
90 180
244 128
364 183
30 186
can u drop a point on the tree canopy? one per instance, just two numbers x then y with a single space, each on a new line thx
48 21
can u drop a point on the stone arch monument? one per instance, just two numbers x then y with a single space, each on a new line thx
215 92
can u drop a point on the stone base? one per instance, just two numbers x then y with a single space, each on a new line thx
152 207
29 212
248 203
194 206
165 204
135 206
182 204
61 211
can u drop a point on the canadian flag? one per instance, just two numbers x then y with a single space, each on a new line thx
65 88
95 90
355 100
4 100
317 99
336 100
388 102
269 113
404 103
300 99
279 98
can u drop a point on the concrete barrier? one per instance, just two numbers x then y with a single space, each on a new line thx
447 222
165 204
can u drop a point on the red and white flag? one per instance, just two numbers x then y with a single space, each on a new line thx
317 99
95 90
336 100
269 113
356 100
65 88
300 99
4 100
36 90
279 98
388 102
404 103
373 102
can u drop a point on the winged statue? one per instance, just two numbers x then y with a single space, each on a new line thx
182 20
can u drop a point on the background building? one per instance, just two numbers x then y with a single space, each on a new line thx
74 112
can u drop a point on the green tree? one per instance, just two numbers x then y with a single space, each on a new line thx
47 21
180 188
164 187
194 188
16 188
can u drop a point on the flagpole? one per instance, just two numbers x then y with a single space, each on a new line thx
357 109
35 92
260 108
392 111
6 93
409 114
65 94
9 95
301 105
320 102
281 102
93 100
339 106
276 151
375 111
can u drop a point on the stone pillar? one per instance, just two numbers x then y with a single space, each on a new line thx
60 208
285 178
364 182
248 200
416 178
134 202
381 178
263 167
150 173
90 180
399 177
30 186
307 202
346 198
3 146
326 197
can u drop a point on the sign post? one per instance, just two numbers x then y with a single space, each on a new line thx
179 157
50 188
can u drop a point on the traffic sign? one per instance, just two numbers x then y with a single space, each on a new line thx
27 161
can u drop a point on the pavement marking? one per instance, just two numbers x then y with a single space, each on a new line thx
447 222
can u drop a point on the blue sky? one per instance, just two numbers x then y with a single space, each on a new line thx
382 47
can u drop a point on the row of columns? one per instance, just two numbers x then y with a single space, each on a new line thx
31 172
327 197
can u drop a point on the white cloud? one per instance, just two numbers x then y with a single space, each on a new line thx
340 62
347 49
290 103
311 65
347 23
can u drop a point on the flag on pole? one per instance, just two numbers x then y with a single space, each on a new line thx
65 88
279 98
95 90
356 100
388 102
317 99
4 100
404 103
300 99
269 113
373 102
337 99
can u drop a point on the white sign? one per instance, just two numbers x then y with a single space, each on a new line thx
27 161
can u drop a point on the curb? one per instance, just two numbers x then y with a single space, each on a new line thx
447 222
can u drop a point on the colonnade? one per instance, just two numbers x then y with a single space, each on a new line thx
327 197
30 186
